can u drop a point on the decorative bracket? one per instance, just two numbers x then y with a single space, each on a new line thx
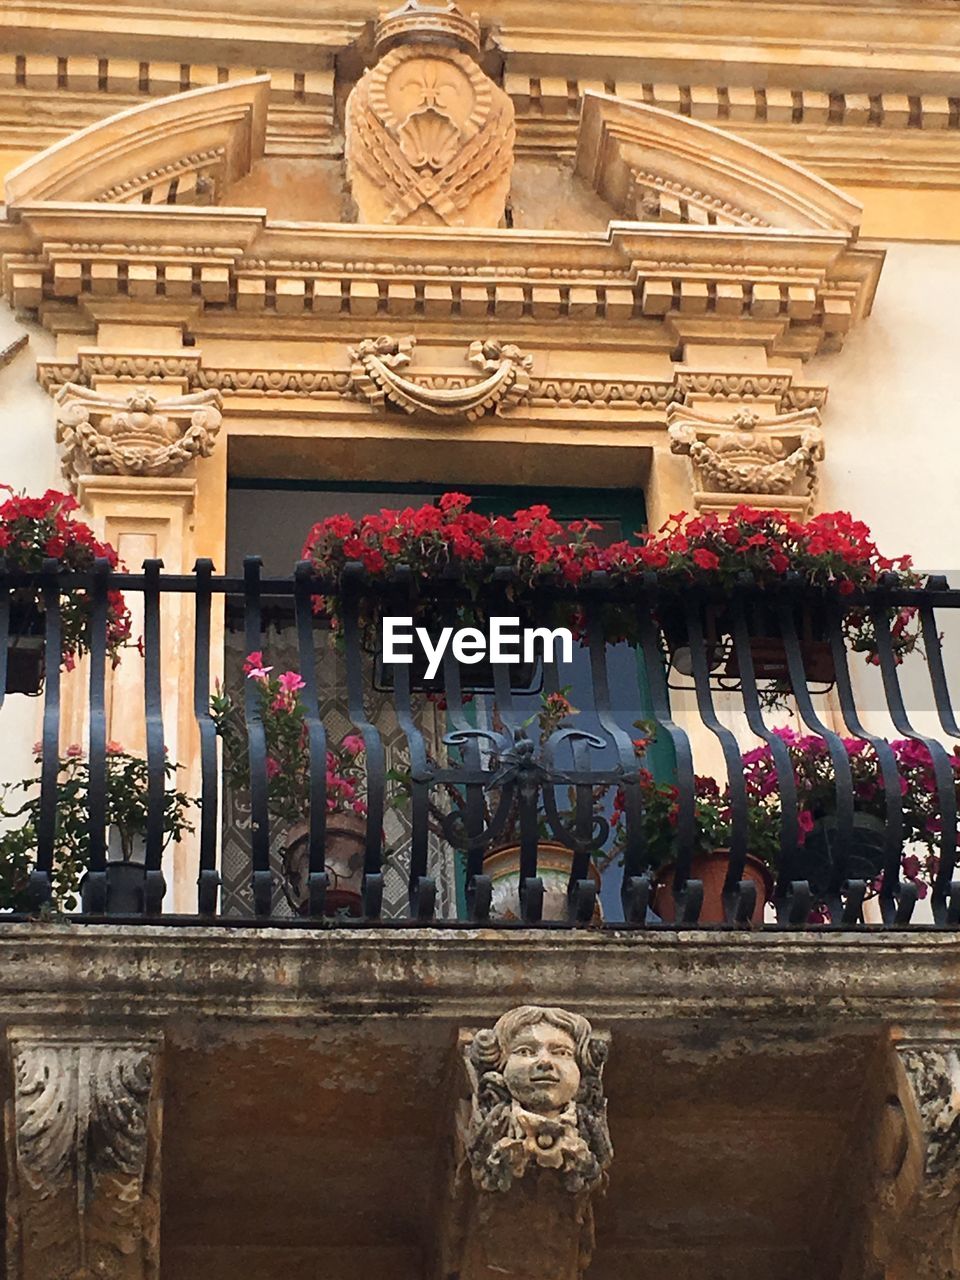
136 434
532 1148
376 377
745 458
83 1156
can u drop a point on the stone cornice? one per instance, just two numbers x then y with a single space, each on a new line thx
791 291
857 980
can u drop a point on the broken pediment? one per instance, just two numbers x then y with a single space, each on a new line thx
654 166
185 149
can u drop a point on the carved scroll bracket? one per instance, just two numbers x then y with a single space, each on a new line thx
377 376
136 433
741 457
912 1222
83 1156
532 1147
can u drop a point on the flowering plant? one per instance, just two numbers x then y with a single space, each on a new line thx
288 759
126 811
830 551
35 529
659 814
816 791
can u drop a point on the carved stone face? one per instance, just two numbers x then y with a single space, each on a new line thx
541 1070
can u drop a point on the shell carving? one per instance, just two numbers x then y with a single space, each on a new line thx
429 140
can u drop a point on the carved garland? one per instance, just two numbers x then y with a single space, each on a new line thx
135 435
376 377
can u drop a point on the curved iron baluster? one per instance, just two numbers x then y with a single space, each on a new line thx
352 579
262 880
839 759
155 885
732 757
527 776
317 878
479 888
740 895
208 880
95 881
40 886
421 888
891 891
933 648
945 899
637 880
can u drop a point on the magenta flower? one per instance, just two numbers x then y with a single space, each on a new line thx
290 682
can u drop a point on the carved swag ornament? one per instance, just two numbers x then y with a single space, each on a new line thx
537 1100
376 376
82 1138
749 455
429 137
135 434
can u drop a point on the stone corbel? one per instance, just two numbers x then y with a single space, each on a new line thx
740 457
134 433
531 1148
376 376
83 1156
913 1219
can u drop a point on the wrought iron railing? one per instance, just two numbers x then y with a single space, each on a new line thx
495 762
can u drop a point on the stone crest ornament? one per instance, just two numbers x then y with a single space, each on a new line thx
377 376
538 1100
748 455
136 434
429 137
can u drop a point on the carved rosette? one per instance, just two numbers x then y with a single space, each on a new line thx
746 455
429 137
136 434
82 1136
377 376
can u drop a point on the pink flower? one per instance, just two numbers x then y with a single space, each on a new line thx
74 751
353 744
253 666
273 768
114 749
290 682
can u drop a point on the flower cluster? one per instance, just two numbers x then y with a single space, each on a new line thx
816 791
659 815
126 811
36 529
284 721
831 550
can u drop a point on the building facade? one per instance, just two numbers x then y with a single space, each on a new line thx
624 260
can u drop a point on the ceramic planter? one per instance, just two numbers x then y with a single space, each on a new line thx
554 864
711 868
343 858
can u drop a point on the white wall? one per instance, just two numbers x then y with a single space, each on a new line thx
28 461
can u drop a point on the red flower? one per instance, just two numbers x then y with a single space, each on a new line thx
704 559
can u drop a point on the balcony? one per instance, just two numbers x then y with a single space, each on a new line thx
771 1066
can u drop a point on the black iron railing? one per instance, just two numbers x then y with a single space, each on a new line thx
496 763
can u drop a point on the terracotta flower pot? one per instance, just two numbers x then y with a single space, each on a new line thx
711 869
554 864
343 857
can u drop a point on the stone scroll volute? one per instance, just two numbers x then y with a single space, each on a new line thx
83 1157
